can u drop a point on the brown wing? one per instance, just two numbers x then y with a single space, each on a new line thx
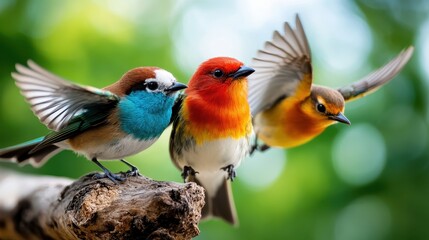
378 78
282 68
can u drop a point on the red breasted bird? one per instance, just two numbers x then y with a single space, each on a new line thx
288 109
211 132
110 123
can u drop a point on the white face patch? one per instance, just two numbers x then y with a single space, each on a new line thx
164 78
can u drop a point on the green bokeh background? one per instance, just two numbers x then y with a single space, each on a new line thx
89 43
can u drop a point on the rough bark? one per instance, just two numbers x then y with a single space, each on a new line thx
56 208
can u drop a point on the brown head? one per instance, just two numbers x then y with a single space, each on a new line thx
327 105
152 79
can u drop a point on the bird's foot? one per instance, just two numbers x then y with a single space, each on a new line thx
231 172
263 148
134 171
254 146
115 178
188 171
252 149
260 148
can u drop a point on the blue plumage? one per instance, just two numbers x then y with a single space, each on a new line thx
139 116
110 123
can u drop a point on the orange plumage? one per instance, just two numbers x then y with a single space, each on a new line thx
211 133
301 123
288 109
217 109
218 112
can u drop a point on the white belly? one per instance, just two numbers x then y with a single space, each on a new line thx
124 147
208 159
214 155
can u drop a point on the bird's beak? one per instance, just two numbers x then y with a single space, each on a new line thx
243 71
340 118
176 87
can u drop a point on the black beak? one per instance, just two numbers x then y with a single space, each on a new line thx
340 118
243 71
175 87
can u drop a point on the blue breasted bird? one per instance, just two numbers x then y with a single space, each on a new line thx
211 132
288 109
110 123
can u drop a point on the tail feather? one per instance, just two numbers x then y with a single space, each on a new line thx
221 205
21 153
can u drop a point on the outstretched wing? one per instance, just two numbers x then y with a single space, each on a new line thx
376 79
56 101
282 69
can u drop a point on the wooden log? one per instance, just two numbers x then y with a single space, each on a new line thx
33 207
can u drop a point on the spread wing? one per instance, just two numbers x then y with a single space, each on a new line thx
282 69
56 101
376 79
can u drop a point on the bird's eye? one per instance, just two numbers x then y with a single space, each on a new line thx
218 73
152 86
321 108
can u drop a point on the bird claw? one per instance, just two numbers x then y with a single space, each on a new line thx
260 148
231 172
115 178
187 172
263 148
252 149
255 146
134 171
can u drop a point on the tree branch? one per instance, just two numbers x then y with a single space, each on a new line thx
34 207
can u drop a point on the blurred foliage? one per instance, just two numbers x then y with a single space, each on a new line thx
95 42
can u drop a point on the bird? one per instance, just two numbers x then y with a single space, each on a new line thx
211 131
116 121
288 109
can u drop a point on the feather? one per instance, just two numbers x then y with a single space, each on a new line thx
377 78
54 100
280 68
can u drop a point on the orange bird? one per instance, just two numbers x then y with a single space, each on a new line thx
211 132
288 109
